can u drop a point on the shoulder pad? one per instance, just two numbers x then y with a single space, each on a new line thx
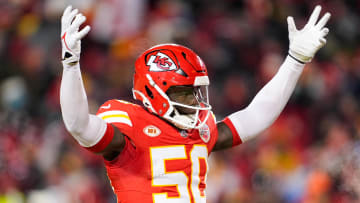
116 111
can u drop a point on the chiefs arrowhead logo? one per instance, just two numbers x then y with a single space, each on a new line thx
160 61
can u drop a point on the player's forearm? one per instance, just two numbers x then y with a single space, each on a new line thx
85 128
269 102
73 100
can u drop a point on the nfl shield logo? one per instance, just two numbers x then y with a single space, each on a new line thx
204 133
183 133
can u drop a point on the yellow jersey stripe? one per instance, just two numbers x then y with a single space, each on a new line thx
116 115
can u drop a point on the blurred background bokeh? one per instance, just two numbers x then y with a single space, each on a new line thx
311 154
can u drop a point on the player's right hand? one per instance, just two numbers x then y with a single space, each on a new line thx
306 42
71 36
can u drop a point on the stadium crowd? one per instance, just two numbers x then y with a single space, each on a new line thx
311 154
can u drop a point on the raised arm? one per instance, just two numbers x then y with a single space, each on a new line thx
89 130
272 98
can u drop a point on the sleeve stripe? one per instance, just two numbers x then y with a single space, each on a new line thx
116 117
107 113
118 120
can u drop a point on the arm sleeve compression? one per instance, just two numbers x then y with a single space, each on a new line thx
268 103
87 129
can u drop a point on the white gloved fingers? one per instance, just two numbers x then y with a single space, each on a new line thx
72 15
67 10
64 23
68 17
314 16
322 22
79 19
305 43
82 32
322 41
291 25
324 32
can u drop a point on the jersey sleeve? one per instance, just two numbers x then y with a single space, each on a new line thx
236 137
104 141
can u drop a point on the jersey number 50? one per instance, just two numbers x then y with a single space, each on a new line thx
160 177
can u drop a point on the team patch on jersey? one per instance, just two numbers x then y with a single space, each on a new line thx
152 131
204 133
116 117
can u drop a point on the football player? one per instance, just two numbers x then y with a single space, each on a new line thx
158 152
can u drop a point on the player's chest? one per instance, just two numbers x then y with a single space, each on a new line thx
154 135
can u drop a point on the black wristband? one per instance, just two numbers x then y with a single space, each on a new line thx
296 59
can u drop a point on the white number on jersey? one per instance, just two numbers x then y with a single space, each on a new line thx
160 177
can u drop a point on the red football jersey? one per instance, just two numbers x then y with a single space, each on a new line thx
159 162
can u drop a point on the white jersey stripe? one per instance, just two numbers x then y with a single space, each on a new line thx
118 120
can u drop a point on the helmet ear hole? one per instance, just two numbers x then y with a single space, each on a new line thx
149 92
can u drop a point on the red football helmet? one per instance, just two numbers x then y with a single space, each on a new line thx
167 65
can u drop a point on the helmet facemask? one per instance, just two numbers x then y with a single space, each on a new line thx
186 104
183 115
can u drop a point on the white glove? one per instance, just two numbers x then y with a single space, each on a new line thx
306 42
71 36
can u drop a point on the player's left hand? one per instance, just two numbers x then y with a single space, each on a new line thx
306 42
71 36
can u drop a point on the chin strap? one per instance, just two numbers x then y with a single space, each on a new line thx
185 122
189 121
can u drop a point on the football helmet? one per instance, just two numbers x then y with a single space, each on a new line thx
167 65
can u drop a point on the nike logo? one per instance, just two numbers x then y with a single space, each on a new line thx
106 107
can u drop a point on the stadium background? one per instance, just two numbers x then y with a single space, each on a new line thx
311 153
